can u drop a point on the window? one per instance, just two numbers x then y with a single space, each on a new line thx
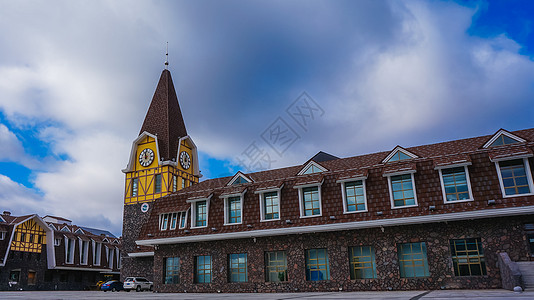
468 257
172 270
515 177
412 260
183 183
57 242
163 221
402 192
233 210
110 257
2 235
354 199
271 206
310 201
84 249
98 254
134 187
503 140
174 183
317 265
203 269
312 169
118 255
69 250
362 262
237 268
174 220
455 184
399 156
239 180
183 219
200 213
65 229
31 277
275 266
157 183
14 276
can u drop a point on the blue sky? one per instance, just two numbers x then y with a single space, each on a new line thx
76 79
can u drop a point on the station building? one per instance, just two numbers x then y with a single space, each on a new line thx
439 216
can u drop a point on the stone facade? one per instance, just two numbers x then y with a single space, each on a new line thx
497 235
133 220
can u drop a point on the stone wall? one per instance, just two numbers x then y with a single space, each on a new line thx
133 220
497 235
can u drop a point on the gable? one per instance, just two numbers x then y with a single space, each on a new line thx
503 137
65 229
399 154
312 168
79 231
239 178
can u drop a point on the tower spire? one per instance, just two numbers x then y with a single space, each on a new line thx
167 57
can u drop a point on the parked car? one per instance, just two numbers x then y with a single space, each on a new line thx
113 285
138 284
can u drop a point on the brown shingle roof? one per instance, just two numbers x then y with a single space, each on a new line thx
366 165
164 117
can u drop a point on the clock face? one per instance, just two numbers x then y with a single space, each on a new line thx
185 160
146 157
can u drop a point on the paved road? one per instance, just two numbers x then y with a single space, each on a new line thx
405 295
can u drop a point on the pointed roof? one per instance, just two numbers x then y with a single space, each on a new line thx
164 118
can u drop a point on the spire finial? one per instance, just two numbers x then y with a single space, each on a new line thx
167 57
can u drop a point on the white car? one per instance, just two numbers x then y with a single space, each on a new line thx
138 284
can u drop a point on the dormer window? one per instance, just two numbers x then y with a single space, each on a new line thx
312 168
270 203
515 177
233 208
503 137
399 154
239 178
79 231
200 211
65 229
310 200
503 140
353 195
402 189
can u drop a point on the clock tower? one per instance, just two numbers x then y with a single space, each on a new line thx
163 159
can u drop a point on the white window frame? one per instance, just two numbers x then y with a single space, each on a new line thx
261 195
171 216
70 258
57 242
194 211
183 214
2 235
84 251
301 198
109 256
97 253
390 188
344 196
468 178
164 224
118 255
226 198
527 170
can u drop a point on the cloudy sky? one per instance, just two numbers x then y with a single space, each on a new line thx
76 79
